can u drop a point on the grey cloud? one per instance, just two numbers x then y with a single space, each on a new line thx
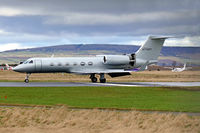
96 19
102 6
91 18
175 30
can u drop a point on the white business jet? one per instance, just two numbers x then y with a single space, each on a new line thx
179 69
113 65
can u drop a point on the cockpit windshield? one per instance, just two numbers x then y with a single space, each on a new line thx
25 62
28 62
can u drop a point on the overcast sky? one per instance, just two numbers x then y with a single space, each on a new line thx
33 23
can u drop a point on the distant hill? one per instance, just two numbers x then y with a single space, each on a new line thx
190 54
77 48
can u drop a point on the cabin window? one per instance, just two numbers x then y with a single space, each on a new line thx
82 63
59 64
75 63
90 63
67 64
31 62
51 64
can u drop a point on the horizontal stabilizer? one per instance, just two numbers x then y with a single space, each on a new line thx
161 37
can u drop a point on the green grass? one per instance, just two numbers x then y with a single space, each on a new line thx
145 98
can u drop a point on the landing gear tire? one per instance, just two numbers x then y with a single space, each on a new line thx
103 80
26 81
94 79
27 78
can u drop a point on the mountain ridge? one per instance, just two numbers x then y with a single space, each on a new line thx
110 47
189 53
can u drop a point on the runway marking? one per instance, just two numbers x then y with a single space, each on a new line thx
71 84
112 84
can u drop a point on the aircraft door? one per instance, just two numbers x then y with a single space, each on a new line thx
38 65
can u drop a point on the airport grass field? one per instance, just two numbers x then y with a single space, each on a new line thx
139 98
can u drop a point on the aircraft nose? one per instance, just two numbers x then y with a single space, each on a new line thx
17 69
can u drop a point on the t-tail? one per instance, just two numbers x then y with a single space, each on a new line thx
184 67
149 52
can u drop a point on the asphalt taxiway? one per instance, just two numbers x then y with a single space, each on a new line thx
71 84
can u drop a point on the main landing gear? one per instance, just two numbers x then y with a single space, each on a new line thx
102 78
27 77
93 78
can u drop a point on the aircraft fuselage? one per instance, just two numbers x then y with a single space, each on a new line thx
68 65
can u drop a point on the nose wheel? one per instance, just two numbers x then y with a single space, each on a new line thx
27 78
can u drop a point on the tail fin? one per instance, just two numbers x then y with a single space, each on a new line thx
184 67
151 49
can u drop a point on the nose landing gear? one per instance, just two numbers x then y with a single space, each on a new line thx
27 78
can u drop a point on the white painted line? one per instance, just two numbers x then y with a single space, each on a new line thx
109 84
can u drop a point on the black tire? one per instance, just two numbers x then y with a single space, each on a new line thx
94 79
26 81
102 80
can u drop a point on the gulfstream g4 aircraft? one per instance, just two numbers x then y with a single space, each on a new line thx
113 65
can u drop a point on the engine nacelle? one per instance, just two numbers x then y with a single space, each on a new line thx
116 59
139 62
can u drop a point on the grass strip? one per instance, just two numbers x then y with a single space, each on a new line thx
142 98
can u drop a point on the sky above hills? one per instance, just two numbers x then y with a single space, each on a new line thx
36 23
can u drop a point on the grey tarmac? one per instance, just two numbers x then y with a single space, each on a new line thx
76 84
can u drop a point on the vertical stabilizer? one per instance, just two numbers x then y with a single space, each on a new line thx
184 67
151 49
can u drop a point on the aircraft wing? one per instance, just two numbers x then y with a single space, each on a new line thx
97 71
111 72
